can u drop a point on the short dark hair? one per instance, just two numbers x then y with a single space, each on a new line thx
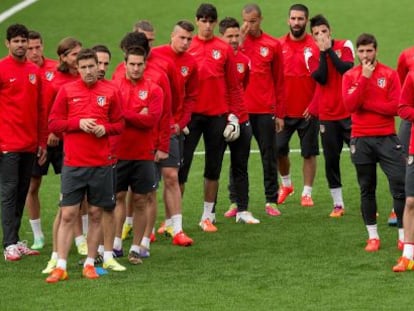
319 20
186 25
135 50
366 39
17 30
252 7
34 35
86 54
300 7
103 49
228 22
135 39
206 10
144 25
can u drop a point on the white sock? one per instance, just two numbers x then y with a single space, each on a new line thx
177 221
85 224
134 248
401 234
145 242
128 220
117 243
79 240
107 255
61 263
307 190
168 222
337 198
408 251
89 261
54 255
208 211
372 232
101 249
286 181
36 228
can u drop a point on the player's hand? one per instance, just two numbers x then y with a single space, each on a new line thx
52 140
99 130
41 156
160 155
367 68
185 131
232 129
87 125
144 111
279 125
244 30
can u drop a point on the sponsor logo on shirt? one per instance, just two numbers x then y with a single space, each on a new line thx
49 75
143 94
381 82
76 99
264 51
32 78
101 101
352 89
184 71
12 80
240 67
216 54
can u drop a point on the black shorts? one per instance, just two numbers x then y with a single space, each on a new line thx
137 174
54 157
409 177
95 182
308 136
176 153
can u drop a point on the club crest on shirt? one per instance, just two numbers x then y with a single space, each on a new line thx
184 71
264 51
240 67
49 75
381 82
32 78
101 100
322 128
410 160
142 94
216 54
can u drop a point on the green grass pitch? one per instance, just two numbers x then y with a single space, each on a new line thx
302 260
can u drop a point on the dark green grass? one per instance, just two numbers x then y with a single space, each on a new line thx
302 260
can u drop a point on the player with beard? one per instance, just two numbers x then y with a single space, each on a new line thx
299 51
371 92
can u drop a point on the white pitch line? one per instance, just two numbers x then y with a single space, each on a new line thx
16 8
257 151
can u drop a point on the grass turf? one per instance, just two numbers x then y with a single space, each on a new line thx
302 260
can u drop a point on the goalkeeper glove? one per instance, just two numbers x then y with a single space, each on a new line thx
232 130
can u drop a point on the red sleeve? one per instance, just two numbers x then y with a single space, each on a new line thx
43 114
116 122
58 117
278 82
402 69
164 128
233 85
150 120
191 93
406 105
353 92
